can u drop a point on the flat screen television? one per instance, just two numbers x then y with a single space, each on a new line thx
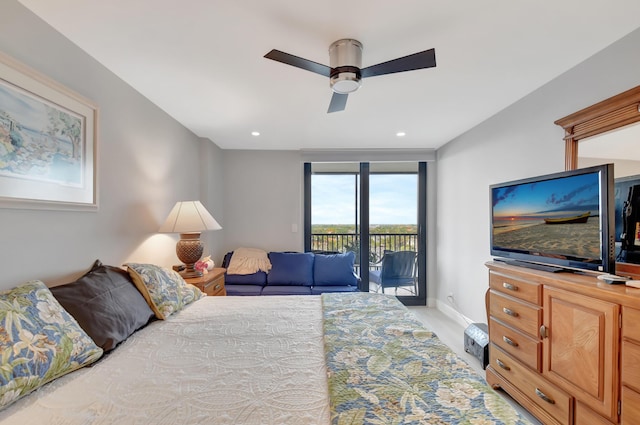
561 221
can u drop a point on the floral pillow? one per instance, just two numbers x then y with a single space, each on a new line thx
39 341
165 290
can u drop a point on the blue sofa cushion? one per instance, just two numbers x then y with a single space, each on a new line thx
291 268
233 290
257 278
334 270
286 290
317 290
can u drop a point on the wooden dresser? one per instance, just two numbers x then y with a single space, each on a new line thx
565 345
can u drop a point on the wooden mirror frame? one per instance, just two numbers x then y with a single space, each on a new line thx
610 114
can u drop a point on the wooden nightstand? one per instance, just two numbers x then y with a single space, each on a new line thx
211 283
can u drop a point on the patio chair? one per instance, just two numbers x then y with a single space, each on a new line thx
397 269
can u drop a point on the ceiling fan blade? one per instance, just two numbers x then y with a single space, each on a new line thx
420 60
338 102
298 62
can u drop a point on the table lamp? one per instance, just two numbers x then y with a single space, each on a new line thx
189 218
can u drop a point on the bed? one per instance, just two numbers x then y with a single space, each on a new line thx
331 359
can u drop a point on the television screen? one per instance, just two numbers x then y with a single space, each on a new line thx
564 219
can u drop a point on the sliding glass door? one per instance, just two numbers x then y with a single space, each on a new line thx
376 210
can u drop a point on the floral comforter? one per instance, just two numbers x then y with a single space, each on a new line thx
385 368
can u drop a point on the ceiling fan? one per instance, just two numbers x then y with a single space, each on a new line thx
345 74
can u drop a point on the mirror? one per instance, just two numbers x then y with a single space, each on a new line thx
619 146
608 131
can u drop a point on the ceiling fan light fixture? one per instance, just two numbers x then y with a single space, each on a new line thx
345 56
345 82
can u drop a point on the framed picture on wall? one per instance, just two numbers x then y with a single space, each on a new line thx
48 137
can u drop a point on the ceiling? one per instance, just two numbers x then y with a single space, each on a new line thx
202 61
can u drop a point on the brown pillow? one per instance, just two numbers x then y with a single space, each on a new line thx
106 304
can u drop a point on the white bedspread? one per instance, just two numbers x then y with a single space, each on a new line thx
222 360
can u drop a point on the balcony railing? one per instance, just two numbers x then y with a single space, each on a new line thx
378 243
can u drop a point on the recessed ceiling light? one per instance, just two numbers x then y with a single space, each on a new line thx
401 134
255 133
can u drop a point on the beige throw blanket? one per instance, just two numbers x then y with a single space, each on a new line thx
248 261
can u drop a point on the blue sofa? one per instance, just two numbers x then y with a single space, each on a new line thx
296 273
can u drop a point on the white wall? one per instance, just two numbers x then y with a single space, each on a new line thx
521 141
212 197
263 200
146 162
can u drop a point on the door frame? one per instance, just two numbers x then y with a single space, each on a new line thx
364 171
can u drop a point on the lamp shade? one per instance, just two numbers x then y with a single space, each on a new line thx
188 217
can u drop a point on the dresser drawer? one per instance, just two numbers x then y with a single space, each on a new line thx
519 345
630 407
631 324
545 395
631 364
525 290
520 315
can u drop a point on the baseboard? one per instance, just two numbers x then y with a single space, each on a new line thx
453 314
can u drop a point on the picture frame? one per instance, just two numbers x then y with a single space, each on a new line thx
48 142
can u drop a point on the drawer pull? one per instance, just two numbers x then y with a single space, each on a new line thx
502 365
217 287
509 341
510 312
509 286
544 332
544 397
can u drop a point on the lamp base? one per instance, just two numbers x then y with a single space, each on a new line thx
189 250
187 274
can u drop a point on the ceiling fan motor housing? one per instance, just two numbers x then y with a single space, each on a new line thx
345 57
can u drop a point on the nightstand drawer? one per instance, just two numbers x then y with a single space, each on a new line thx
215 288
520 346
211 283
545 395
520 315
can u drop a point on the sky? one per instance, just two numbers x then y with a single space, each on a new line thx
392 199
573 193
